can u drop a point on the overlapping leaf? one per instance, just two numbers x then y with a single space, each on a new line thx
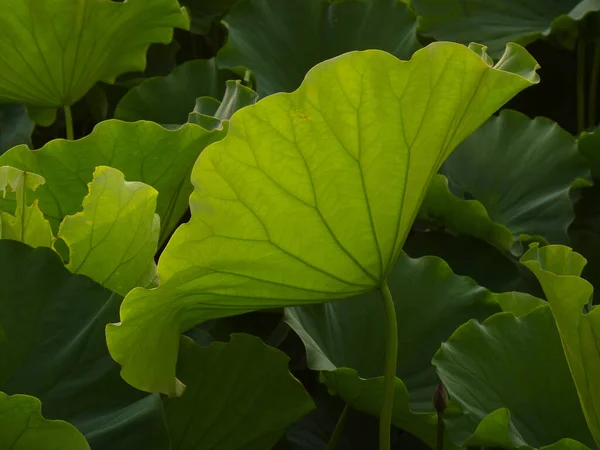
270 212
114 239
522 171
346 340
240 395
28 224
22 427
52 53
281 41
468 217
54 348
169 99
498 372
559 269
495 23
143 151
210 113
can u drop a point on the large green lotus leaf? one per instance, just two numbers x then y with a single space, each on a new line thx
28 224
522 171
240 395
469 217
54 52
169 99
346 340
272 202
22 427
494 23
281 41
210 113
559 269
54 349
114 238
15 126
143 151
504 363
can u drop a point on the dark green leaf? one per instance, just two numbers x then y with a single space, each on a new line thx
15 127
169 100
522 171
431 302
54 349
280 41
495 23
240 396
506 362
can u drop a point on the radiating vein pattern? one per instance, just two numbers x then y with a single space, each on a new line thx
310 196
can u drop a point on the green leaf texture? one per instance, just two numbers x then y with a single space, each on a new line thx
54 52
310 196
22 427
114 239
143 151
281 41
240 396
558 268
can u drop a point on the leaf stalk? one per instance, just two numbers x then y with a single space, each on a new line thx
389 373
337 431
580 86
69 123
594 85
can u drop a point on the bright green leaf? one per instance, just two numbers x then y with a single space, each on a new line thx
114 239
522 171
15 127
143 151
22 427
28 224
505 363
494 23
240 395
272 202
559 269
55 326
54 52
169 99
281 41
469 217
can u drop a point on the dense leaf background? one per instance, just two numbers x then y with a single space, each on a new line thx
152 266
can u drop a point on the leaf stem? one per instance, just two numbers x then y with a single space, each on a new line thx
440 431
69 123
593 93
389 373
337 431
580 85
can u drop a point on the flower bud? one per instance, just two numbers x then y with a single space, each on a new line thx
440 398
